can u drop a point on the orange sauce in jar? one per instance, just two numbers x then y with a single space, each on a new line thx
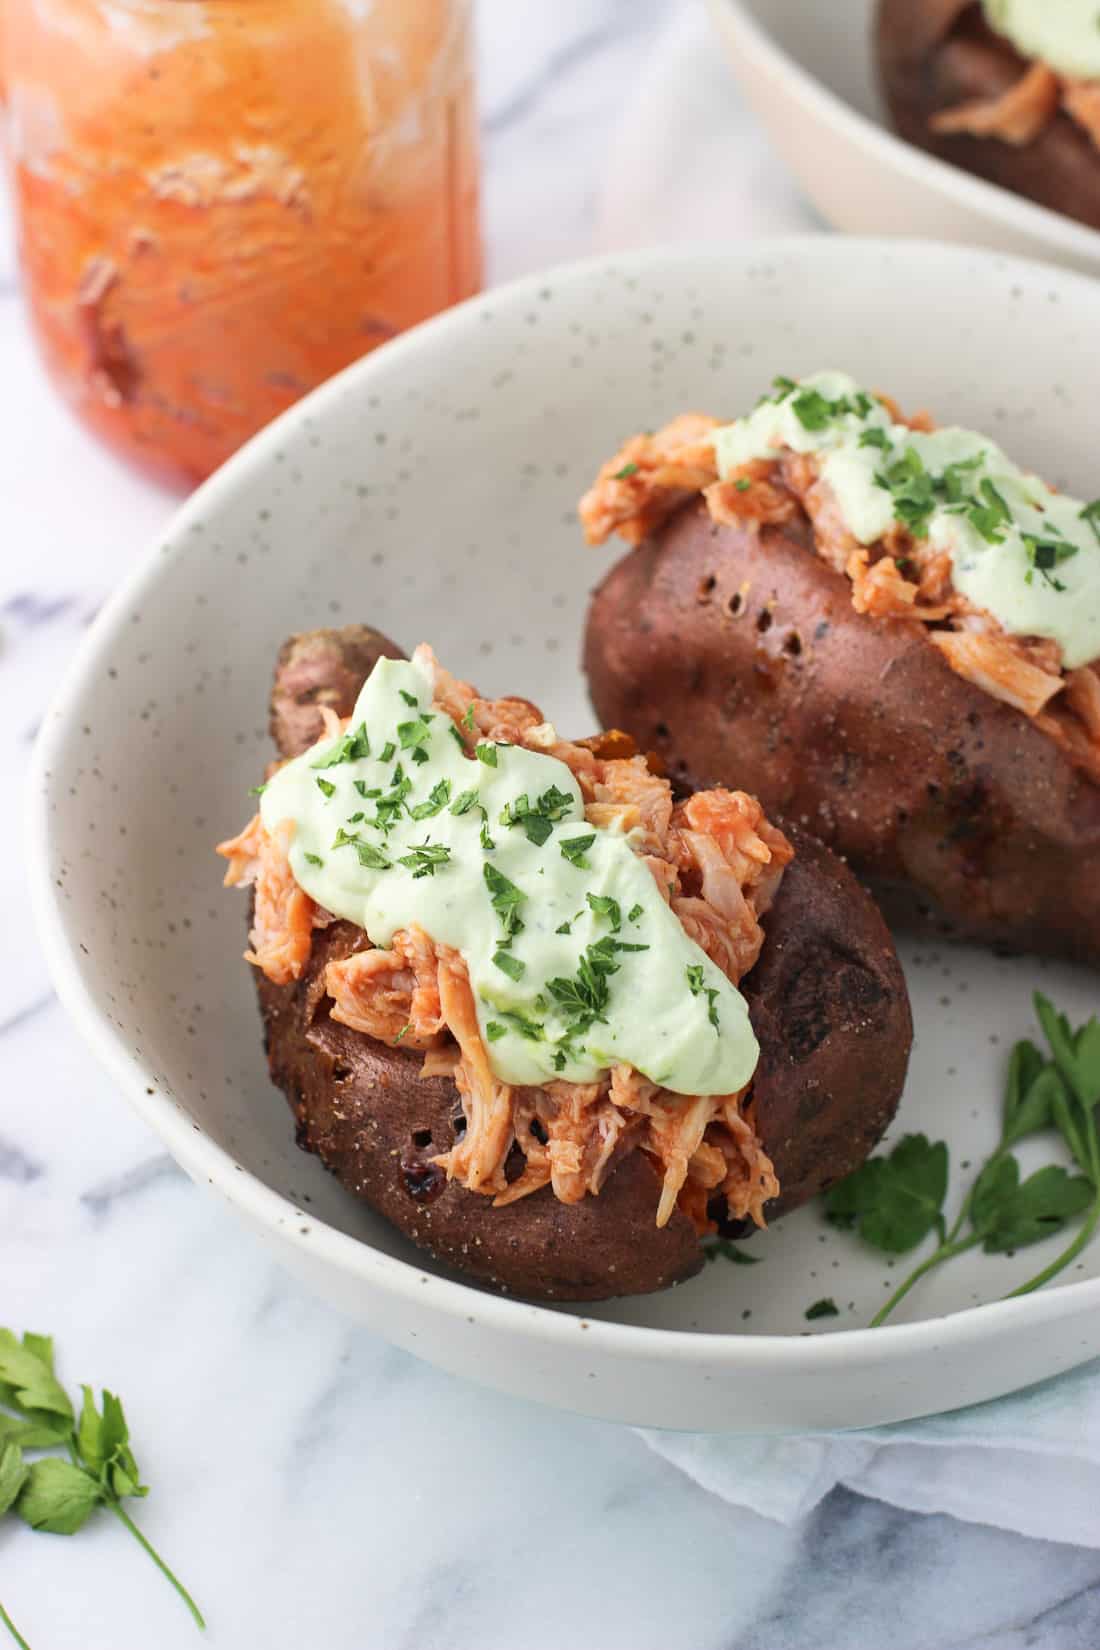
223 202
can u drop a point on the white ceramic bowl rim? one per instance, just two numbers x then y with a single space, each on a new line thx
970 192
206 1161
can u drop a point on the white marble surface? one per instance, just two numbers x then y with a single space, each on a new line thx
313 1486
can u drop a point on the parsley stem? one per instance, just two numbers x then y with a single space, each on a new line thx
1083 1238
946 1251
121 1513
13 1629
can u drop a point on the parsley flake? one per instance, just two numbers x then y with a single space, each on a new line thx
353 747
627 470
486 754
509 965
438 799
424 860
462 804
325 786
604 906
574 849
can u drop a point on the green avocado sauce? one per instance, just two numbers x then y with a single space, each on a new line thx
1024 553
575 960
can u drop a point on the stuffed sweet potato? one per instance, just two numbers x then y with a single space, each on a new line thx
411 1091
888 633
1008 90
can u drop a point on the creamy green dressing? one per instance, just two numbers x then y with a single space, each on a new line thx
567 929
1024 553
1063 33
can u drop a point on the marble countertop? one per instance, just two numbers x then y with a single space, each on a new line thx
315 1487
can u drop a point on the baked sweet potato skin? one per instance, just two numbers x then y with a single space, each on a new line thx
935 54
829 1005
737 651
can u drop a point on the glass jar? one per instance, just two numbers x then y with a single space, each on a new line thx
222 202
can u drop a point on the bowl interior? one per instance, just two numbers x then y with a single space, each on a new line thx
431 491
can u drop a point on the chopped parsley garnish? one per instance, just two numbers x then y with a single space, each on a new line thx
405 1029
410 698
538 819
509 965
604 906
505 899
635 912
742 484
532 1030
826 1308
257 790
991 517
495 1031
414 734
586 995
698 989
353 747
627 470
462 804
468 718
313 859
419 754
457 737
785 386
876 436
388 809
367 795
559 1059
424 860
574 849
372 858
487 754
486 840
565 928
326 787
814 412
438 799
388 750
912 489
1091 514
1045 554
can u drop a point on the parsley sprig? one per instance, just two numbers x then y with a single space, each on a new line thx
57 1492
896 1201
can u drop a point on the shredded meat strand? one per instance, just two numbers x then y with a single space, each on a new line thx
1017 116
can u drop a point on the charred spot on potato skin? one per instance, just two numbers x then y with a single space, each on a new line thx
824 990
423 1181
706 589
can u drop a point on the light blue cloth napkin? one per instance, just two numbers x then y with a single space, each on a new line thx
1028 1463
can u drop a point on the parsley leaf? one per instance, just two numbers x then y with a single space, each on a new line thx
1009 1214
826 1308
538 819
730 1251
351 748
894 1201
438 798
486 754
462 804
325 786
1091 514
424 861
635 912
509 965
505 899
604 906
414 734
627 470
876 436
494 1031
410 698
60 1493
574 849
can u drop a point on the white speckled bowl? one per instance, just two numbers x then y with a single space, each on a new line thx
807 70
431 490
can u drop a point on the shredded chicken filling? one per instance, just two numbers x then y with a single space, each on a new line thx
717 861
